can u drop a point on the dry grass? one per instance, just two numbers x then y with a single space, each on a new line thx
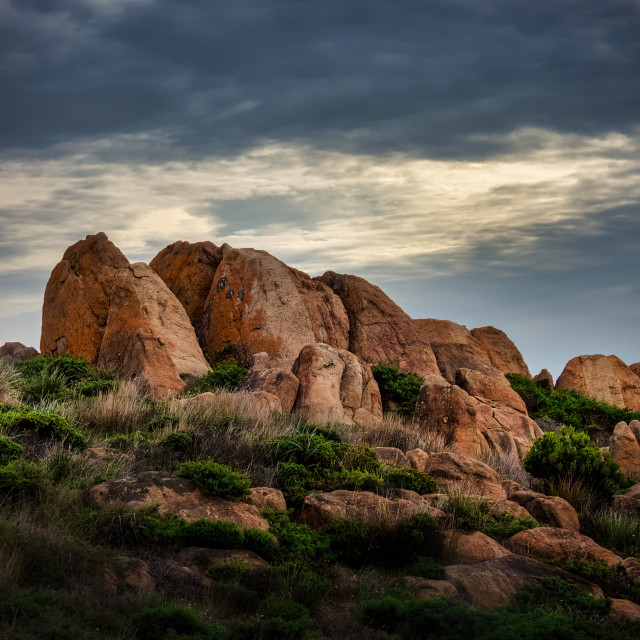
575 491
508 466
9 385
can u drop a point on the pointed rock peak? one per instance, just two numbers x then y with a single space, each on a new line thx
502 352
544 379
76 299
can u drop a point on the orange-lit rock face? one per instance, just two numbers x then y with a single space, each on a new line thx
380 331
76 299
188 269
502 352
258 300
605 378
148 337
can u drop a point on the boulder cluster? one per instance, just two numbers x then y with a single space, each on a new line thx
310 342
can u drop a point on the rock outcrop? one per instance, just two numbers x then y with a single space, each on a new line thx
470 425
624 448
176 495
319 509
628 502
379 330
148 336
76 299
336 386
16 352
189 269
605 378
257 300
551 510
123 572
455 471
562 545
471 547
635 367
502 352
545 380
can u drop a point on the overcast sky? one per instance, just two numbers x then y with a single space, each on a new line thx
479 161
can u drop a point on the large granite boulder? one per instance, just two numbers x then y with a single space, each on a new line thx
76 299
624 448
605 378
379 330
551 510
16 352
148 337
545 380
336 386
502 352
176 495
188 269
257 300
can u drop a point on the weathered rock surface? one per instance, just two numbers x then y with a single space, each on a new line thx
495 583
498 507
148 336
392 457
605 378
490 385
266 498
176 495
16 352
562 545
188 269
123 572
502 352
473 426
624 610
76 299
319 509
417 459
545 380
280 382
551 510
336 386
471 547
624 448
629 501
426 589
635 367
257 300
266 401
456 471
631 568
380 331
205 558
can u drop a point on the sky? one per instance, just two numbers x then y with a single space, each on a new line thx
479 161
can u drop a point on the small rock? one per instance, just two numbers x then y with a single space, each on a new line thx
631 568
551 510
471 547
15 352
417 459
122 572
624 610
426 589
267 498
392 457
545 380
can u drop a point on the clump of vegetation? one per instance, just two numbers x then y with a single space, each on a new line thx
218 479
173 622
475 515
128 440
569 407
41 424
570 453
223 375
9 450
618 531
21 477
178 441
399 388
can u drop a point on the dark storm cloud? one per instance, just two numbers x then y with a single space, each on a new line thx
437 78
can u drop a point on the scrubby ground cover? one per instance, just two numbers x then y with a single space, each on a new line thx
65 427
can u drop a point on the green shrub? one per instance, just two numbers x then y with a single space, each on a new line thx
224 375
475 515
359 457
295 482
427 567
298 542
74 369
570 453
9 450
43 424
261 542
217 479
284 619
228 571
20 477
48 384
555 591
569 407
298 582
178 441
310 449
410 479
358 542
398 386
128 440
173 622
214 534
93 388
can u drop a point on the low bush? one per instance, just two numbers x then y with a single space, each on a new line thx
42 424
398 387
569 407
223 375
617 531
261 542
218 479
284 619
475 515
9 450
126 441
410 479
298 542
570 453
427 567
20 477
178 441
215 534
173 622
298 582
